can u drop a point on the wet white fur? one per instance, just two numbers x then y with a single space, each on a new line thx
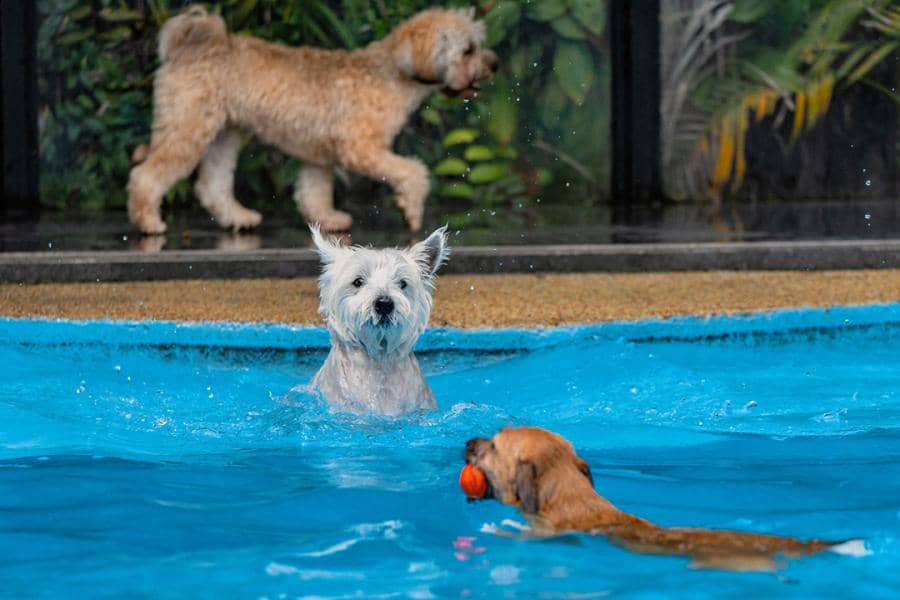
371 367
851 548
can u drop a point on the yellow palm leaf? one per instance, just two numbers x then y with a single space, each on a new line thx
740 162
725 158
812 105
799 114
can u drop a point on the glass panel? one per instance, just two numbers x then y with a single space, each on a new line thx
783 102
529 155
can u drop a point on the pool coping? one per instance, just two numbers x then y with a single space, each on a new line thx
64 266
279 336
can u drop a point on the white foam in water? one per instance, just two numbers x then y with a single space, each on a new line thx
851 548
489 528
515 525
385 530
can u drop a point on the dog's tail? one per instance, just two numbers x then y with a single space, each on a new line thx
192 29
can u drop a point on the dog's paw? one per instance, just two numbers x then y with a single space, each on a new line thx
336 220
245 219
151 226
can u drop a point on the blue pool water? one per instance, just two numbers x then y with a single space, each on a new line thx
170 460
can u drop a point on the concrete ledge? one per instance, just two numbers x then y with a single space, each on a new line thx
34 267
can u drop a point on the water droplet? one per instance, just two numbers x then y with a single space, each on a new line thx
867 216
868 183
471 288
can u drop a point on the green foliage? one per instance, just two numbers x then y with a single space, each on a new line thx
778 58
543 123
540 124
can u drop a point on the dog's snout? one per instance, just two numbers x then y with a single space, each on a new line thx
491 60
384 306
472 448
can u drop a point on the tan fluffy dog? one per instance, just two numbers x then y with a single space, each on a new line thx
539 473
327 108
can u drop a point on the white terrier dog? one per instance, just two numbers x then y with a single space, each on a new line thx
376 304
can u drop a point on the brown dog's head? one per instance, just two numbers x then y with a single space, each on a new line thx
529 468
443 47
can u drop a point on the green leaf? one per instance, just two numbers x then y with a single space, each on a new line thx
551 103
507 152
337 25
451 166
116 34
457 189
460 136
121 15
498 22
430 115
80 12
503 112
478 152
543 177
749 11
487 173
545 10
591 14
73 37
568 27
240 14
872 60
574 68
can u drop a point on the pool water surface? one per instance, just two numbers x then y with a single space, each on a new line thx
186 460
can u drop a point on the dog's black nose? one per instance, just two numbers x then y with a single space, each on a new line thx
471 446
494 66
384 306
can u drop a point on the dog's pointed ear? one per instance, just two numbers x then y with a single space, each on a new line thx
584 468
328 248
526 487
431 253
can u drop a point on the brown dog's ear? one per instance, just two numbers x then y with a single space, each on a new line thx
526 487
584 468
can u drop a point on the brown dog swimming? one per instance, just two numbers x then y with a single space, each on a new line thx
539 473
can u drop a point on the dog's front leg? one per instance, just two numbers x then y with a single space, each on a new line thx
314 195
408 177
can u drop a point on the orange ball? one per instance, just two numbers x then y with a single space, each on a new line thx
473 482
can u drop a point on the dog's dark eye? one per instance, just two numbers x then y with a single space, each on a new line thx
402 284
357 282
470 49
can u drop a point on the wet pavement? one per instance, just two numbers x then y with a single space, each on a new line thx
679 223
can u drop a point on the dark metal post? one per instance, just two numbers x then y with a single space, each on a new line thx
18 118
636 94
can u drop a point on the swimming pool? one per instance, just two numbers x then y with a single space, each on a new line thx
164 459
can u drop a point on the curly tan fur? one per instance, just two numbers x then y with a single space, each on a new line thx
539 473
328 108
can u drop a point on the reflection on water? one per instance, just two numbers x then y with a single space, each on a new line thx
812 220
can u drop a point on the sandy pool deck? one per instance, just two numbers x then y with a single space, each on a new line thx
467 300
